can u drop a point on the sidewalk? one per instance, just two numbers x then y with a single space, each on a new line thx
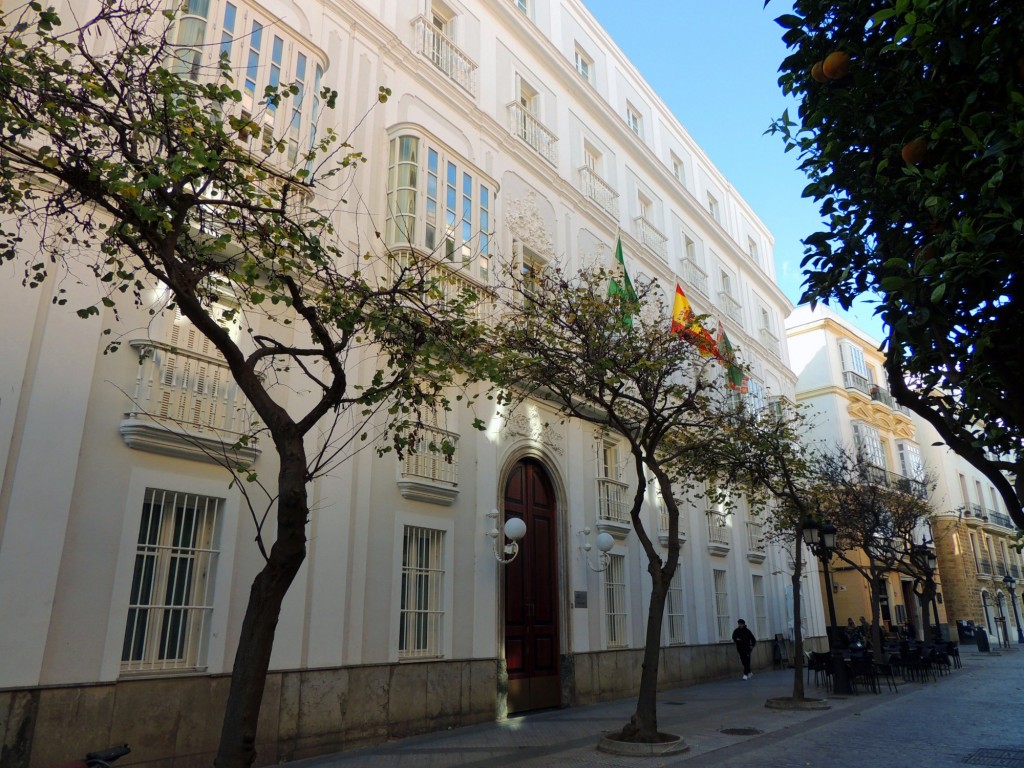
972 716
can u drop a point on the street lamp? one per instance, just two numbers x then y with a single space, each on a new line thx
821 540
1010 583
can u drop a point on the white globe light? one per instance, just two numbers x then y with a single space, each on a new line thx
605 541
515 528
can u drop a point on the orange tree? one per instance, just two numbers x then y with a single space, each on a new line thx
613 361
910 129
116 167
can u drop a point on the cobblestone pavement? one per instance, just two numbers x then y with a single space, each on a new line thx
971 717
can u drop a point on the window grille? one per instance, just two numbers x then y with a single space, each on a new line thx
723 620
422 606
171 598
675 610
760 607
615 601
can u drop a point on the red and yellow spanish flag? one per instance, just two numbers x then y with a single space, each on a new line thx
686 324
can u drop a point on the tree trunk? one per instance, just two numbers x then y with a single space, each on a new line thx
798 634
237 748
643 726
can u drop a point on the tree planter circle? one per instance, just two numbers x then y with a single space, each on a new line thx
670 744
788 702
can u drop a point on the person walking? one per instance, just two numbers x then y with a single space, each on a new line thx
745 642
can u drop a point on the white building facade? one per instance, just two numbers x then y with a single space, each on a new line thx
516 132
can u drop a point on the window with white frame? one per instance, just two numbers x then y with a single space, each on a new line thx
963 491
757 396
852 357
634 120
723 621
868 442
611 491
675 612
760 606
910 460
752 251
615 610
714 208
527 96
171 597
678 168
523 6
421 617
584 64
266 54
438 202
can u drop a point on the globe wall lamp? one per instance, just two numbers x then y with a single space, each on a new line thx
511 534
604 543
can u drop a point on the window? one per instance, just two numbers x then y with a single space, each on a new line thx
530 268
752 250
723 621
643 206
171 598
869 445
584 64
611 491
674 609
264 53
714 209
852 358
757 396
523 6
678 168
438 202
421 615
591 158
760 607
634 120
726 280
963 491
527 96
615 601
910 460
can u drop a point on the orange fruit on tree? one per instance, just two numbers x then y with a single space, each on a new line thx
836 65
818 73
914 152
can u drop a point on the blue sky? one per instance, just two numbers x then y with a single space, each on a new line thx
715 64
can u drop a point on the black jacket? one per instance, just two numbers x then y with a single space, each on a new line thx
743 638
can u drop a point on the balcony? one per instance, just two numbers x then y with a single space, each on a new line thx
598 190
896 481
771 341
533 132
1000 519
444 54
695 277
186 404
451 278
718 533
731 307
427 473
663 527
852 380
650 236
612 505
755 542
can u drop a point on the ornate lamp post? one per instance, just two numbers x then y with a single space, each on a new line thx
927 561
820 538
1010 583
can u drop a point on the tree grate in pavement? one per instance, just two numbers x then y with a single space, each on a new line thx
1004 758
745 732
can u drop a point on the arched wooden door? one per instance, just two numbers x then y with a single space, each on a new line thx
531 592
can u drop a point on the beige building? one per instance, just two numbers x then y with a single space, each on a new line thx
842 380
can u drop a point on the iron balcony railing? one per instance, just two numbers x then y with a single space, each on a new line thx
444 54
598 190
651 236
427 461
531 130
999 519
717 528
755 537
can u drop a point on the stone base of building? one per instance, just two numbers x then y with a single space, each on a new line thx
175 722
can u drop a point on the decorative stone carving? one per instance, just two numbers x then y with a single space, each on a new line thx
531 424
525 221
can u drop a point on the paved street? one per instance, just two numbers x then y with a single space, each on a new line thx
970 717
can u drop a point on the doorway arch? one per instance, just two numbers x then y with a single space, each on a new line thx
532 620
